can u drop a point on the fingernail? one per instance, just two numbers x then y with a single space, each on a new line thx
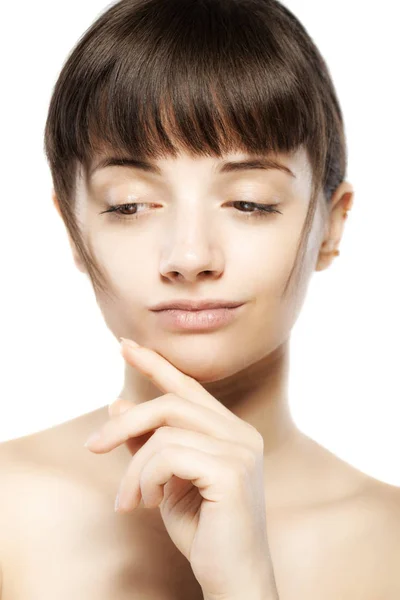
130 343
116 506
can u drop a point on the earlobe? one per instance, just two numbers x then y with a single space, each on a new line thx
324 261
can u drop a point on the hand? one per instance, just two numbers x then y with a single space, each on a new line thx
203 467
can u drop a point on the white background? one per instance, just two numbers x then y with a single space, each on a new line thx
59 360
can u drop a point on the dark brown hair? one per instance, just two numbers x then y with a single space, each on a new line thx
213 76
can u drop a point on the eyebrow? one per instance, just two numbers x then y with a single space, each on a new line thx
225 167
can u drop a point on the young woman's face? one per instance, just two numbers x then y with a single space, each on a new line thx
188 232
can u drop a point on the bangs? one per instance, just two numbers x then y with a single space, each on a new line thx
205 77
150 79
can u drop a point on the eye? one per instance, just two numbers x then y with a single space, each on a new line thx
260 210
129 211
130 208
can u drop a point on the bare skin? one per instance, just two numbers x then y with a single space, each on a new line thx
62 539
334 531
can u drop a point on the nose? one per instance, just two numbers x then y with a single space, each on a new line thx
191 251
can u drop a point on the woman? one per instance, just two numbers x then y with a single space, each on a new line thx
197 152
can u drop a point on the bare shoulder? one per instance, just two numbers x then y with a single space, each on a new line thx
368 524
16 471
349 548
382 500
342 539
46 463
55 512
37 491
8 465
378 503
52 464
383 491
376 515
41 470
367 528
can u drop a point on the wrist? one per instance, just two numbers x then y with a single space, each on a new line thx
262 587
249 594
245 596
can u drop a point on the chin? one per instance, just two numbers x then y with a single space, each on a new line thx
203 369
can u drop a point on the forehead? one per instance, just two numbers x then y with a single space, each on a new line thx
290 164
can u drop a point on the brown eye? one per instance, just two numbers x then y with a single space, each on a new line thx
259 210
123 209
128 211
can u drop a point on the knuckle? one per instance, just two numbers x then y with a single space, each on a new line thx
172 399
258 441
254 437
174 403
162 433
161 436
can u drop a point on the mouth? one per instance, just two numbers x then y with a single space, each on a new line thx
197 320
196 305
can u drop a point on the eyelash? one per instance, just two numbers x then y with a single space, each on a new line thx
262 210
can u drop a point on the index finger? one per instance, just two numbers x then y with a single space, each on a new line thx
169 379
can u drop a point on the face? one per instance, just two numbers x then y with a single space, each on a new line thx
192 231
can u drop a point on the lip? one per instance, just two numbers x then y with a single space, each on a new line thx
195 305
197 320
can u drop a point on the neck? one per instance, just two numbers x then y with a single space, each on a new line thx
257 394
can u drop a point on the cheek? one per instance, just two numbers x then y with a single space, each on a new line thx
266 268
265 262
260 257
124 260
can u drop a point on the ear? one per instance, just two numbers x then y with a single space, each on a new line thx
342 201
77 260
